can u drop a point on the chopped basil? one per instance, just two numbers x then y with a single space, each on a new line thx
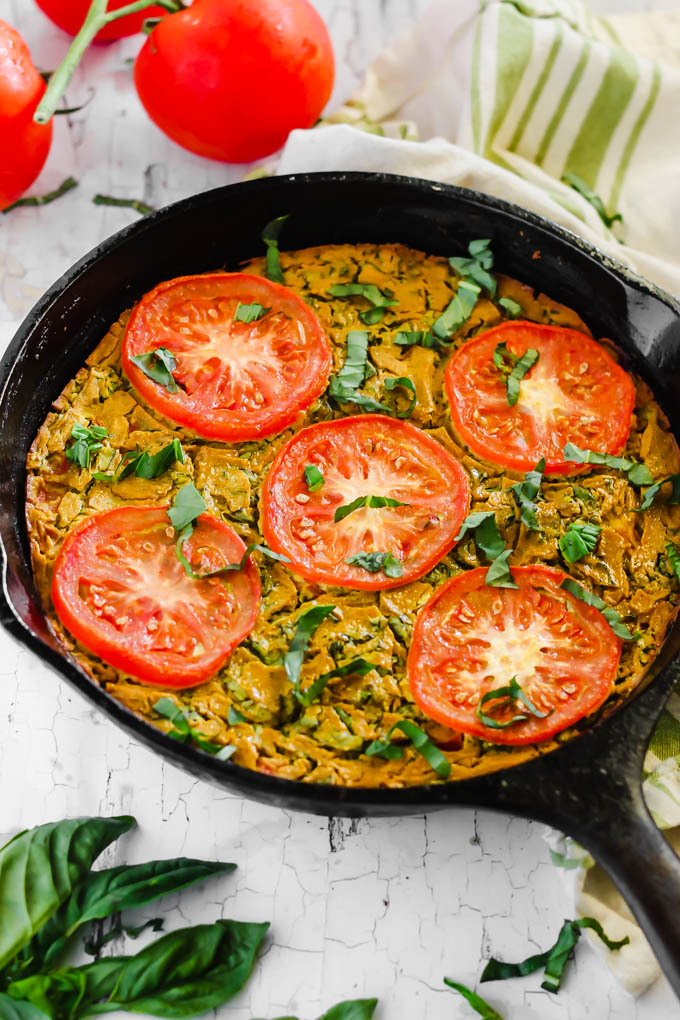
249 313
306 625
673 554
476 1001
372 316
419 338
637 474
477 266
375 561
582 493
526 492
513 309
87 439
554 959
584 189
379 299
578 540
610 615
359 666
652 492
151 465
234 717
187 506
270 236
421 742
158 365
313 477
513 368
458 310
345 394
487 535
408 384
513 692
498 575
184 731
353 372
252 547
365 501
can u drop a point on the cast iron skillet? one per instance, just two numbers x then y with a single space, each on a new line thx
590 787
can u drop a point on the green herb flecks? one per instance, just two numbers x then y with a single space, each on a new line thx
313 477
579 539
270 236
158 365
513 309
380 300
610 615
653 491
477 267
507 696
513 368
403 380
476 1001
637 474
554 959
373 562
487 536
526 492
184 732
306 626
458 310
421 742
582 493
584 189
249 313
375 502
87 439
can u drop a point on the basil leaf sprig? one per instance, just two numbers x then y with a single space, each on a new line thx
187 507
584 189
458 310
374 562
477 267
673 554
554 959
513 368
476 1001
380 300
16 1009
95 942
513 309
579 539
87 439
184 732
158 365
506 696
344 386
653 491
489 540
249 312
365 501
307 623
526 492
144 464
421 743
270 235
611 616
313 477
636 473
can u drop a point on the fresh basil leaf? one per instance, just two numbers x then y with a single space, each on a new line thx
579 539
234 717
408 384
372 316
249 313
252 547
95 943
652 492
158 365
184 732
487 535
152 465
376 561
476 1001
584 189
353 372
458 310
359 666
476 268
360 502
270 235
13 1009
673 554
498 575
419 338
187 506
352 1009
86 441
513 368
366 290
306 625
71 992
313 477
345 394
610 615
39 869
424 746
526 492
513 309
513 692
637 474
585 494
384 749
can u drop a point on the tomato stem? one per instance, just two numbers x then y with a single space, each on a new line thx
96 18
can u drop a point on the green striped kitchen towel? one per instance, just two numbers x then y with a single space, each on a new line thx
511 97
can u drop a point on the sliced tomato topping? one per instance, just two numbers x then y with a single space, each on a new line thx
471 639
362 456
236 380
120 590
575 393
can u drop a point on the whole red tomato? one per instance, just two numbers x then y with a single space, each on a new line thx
24 145
70 15
229 79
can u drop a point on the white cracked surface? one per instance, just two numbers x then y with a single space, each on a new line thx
383 907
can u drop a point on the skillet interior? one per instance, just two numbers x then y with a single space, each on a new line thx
222 227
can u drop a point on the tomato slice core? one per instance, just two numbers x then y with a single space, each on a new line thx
574 393
121 591
237 380
364 455
472 638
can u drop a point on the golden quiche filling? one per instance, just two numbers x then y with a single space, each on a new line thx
358 515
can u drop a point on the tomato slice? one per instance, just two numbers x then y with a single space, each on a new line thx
364 455
120 590
472 638
236 380
574 393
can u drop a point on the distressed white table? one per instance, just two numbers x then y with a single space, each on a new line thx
384 908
